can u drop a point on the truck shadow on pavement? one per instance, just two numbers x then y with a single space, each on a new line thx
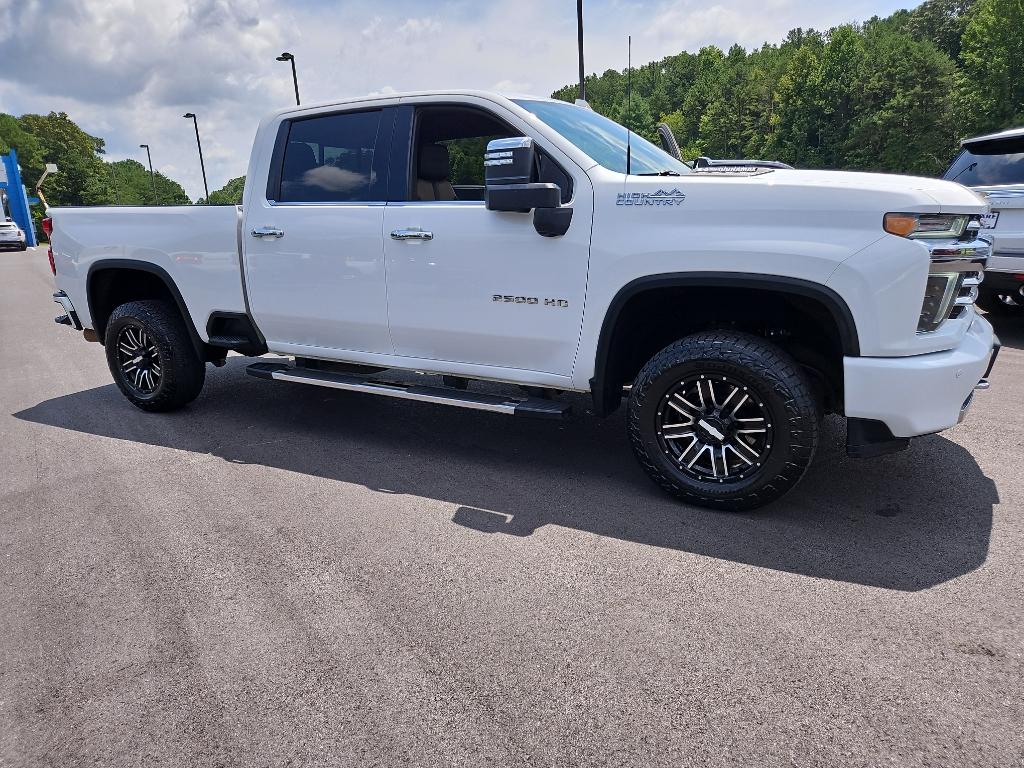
904 522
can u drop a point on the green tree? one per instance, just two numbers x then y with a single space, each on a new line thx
229 194
797 120
941 21
842 61
127 182
635 114
992 74
77 155
905 107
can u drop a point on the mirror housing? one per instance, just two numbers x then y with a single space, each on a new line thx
510 167
509 172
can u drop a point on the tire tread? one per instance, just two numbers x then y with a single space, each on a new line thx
763 359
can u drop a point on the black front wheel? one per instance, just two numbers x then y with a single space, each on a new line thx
151 356
723 420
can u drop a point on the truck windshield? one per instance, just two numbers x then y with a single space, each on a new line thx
990 164
604 140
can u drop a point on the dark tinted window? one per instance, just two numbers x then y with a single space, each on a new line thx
464 132
992 164
330 159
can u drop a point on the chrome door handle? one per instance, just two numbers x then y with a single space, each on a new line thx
261 232
411 234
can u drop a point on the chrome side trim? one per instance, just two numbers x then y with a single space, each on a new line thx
395 390
330 204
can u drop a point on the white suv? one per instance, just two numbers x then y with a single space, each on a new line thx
11 236
993 165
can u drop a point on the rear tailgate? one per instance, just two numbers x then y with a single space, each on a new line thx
196 247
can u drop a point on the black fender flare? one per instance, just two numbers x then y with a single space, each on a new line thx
606 395
130 265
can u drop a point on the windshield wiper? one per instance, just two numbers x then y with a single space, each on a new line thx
659 173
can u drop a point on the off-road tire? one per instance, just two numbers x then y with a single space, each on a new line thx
770 375
182 373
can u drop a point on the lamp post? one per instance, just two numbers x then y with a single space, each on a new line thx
202 165
295 78
152 176
579 37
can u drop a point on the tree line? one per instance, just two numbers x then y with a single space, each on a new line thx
892 94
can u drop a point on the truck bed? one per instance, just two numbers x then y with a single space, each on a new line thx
197 246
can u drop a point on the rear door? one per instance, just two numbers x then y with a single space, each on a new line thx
314 256
471 286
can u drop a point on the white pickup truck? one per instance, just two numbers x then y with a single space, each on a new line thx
534 242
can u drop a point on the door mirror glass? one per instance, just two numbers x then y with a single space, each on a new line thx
510 172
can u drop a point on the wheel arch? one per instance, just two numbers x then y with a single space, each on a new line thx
605 386
102 293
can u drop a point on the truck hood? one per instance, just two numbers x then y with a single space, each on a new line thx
932 195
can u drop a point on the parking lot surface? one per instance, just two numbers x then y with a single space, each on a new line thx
285 575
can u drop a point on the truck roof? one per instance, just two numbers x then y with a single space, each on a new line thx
409 94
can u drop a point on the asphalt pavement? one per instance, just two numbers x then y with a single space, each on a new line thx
286 575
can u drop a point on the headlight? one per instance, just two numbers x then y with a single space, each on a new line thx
925 225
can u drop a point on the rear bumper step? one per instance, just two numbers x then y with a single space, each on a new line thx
70 317
533 407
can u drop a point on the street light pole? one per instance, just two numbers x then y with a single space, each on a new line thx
579 37
152 176
295 78
202 165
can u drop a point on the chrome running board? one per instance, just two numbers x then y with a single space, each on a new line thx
533 407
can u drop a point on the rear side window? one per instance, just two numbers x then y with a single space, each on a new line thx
989 165
332 159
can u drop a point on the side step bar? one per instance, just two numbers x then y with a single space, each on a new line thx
534 407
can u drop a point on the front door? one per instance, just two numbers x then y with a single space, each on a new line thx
469 285
314 257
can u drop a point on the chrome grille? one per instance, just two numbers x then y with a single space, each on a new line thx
956 272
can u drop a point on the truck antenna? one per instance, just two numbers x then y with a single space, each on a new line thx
629 96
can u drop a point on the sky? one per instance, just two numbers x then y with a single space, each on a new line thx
127 70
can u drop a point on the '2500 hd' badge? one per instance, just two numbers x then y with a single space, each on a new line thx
661 197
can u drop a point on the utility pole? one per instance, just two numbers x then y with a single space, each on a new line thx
579 37
202 165
152 176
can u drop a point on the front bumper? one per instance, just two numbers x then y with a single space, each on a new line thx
920 394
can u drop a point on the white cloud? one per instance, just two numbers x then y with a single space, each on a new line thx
127 70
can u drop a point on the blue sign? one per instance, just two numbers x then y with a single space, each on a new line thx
18 201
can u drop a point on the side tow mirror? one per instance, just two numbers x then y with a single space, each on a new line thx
509 166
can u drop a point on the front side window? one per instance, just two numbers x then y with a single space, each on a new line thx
990 164
448 157
604 140
329 158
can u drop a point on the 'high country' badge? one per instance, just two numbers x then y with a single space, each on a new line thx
661 197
